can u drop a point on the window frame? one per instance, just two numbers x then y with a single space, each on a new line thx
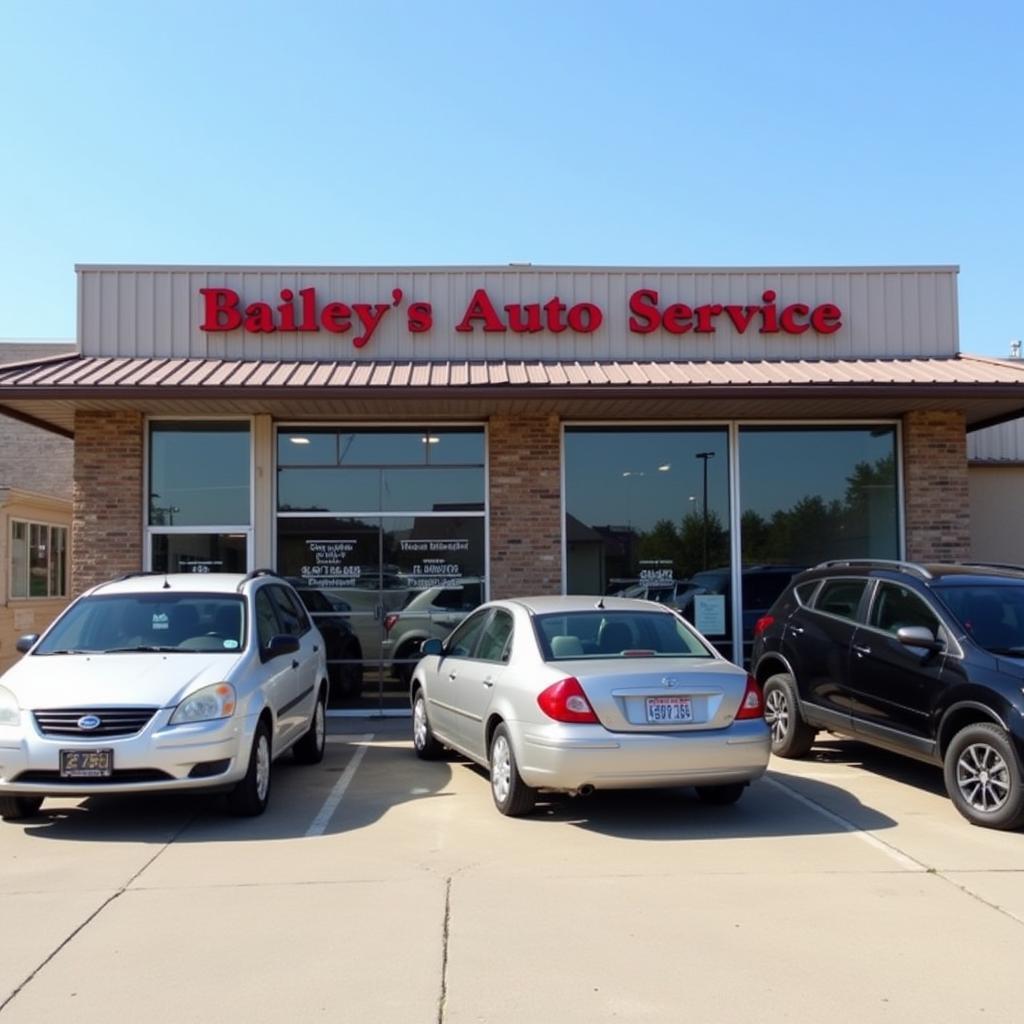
50 527
207 530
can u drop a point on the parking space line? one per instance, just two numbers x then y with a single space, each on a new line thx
906 862
330 805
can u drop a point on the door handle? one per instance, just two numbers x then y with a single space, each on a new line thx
796 629
316 648
295 664
861 650
488 682
451 677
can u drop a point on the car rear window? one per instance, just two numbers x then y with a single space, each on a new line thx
603 634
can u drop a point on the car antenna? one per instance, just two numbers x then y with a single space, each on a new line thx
167 585
600 603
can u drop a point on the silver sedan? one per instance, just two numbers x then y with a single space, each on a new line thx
574 694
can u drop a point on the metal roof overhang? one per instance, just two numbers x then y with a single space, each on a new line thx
48 393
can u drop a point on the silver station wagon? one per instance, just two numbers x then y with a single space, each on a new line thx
155 683
574 694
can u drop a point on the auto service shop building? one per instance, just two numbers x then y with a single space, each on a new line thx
405 442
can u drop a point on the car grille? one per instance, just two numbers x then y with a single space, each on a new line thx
113 721
121 775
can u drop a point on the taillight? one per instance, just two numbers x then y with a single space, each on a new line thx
752 705
389 621
762 624
565 701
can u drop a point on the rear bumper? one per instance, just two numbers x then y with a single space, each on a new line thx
568 757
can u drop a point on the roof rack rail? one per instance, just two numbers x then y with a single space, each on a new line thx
255 574
995 565
885 563
140 572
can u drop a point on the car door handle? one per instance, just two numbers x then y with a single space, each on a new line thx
488 682
861 650
295 664
316 648
451 677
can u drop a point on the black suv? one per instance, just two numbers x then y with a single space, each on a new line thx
925 660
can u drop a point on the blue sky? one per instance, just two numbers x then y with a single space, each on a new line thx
676 134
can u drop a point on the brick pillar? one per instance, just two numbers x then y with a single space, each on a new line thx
935 486
106 527
525 506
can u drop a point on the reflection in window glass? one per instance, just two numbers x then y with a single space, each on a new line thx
199 552
811 494
199 473
437 488
638 509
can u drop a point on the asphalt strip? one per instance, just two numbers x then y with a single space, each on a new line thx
330 805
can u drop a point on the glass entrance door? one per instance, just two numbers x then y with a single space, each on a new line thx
378 583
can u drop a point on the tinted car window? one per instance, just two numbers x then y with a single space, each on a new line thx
463 641
266 619
840 597
805 591
495 640
294 620
895 607
992 616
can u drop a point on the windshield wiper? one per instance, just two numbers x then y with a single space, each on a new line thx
147 648
69 650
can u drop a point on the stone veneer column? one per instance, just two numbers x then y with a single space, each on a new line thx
525 505
106 526
935 486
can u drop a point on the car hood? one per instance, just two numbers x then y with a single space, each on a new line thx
79 680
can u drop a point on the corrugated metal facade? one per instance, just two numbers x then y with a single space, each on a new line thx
157 311
1000 444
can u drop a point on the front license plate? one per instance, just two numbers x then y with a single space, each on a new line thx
86 764
669 709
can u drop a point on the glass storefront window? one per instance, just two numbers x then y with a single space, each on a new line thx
399 555
199 473
809 494
647 515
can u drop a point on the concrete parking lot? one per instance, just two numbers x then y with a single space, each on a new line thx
378 888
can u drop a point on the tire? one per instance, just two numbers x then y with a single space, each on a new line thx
12 808
423 740
249 798
512 796
310 747
721 796
984 778
791 735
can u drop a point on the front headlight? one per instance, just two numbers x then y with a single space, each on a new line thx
217 701
10 714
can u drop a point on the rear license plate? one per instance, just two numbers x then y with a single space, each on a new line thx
86 764
669 709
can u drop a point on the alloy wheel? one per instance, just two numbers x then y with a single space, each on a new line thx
776 714
501 769
983 777
262 767
419 723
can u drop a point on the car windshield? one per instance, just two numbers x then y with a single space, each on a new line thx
992 615
151 622
616 634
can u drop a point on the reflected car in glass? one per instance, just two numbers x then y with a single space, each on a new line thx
159 683
574 694
433 612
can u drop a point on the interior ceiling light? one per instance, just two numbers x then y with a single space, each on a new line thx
299 440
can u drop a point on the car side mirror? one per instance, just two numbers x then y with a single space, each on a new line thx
283 643
432 646
25 643
919 636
